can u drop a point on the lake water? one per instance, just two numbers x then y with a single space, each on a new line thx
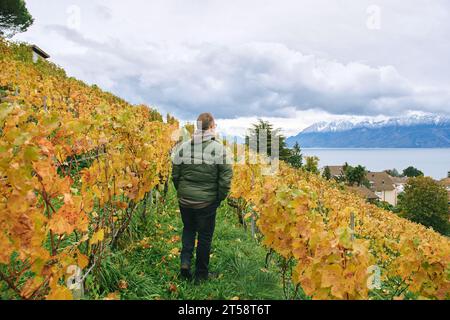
432 162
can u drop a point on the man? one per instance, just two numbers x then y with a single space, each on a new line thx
202 175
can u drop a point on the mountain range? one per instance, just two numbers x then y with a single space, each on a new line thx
417 131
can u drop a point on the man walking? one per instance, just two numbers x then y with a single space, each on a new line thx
202 175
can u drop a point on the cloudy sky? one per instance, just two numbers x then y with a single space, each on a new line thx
294 62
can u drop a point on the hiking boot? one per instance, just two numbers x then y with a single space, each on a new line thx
185 272
204 277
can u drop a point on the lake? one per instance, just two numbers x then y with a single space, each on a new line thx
432 162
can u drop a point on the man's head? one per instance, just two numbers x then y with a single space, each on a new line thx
205 122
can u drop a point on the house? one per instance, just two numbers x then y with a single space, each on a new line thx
400 183
364 192
38 53
335 171
383 186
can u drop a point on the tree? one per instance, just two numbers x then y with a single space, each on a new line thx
425 201
355 175
171 120
326 173
385 205
312 165
14 17
393 173
412 172
296 157
265 127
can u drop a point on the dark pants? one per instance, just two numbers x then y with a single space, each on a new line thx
201 222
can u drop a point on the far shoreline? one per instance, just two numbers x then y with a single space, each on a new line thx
374 148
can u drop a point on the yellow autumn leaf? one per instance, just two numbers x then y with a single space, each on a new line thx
82 260
60 293
59 225
97 237
331 274
112 296
31 285
121 204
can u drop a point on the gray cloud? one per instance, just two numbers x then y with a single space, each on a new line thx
252 58
265 79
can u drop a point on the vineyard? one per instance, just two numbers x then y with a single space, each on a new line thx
78 166
339 243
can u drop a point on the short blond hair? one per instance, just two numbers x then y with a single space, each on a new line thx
205 121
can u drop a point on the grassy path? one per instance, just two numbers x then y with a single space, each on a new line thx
148 268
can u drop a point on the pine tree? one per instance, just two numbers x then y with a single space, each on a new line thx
327 173
296 157
14 17
266 127
312 165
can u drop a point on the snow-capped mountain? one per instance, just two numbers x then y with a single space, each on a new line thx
344 125
413 131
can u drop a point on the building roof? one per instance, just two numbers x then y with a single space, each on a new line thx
40 52
336 171
364 192
445 182
380 181
399 180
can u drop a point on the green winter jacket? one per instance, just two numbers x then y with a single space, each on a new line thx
202 170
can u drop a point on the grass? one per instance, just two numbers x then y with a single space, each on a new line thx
146 264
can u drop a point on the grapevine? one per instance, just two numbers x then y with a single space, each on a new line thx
336 237
75 162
